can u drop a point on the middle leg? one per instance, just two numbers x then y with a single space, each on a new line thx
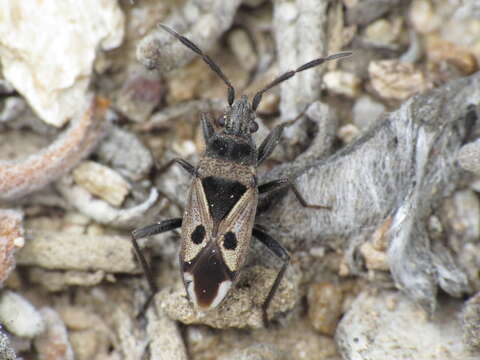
150 230
285 183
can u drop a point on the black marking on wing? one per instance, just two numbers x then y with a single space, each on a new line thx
222 195
198 234
230 241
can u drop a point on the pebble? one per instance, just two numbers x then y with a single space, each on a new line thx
60 280
53 343
166 341
324 307
56 82
470 317
469 157
423 17
384 32
102 181
19 316
466 215
85 344
135 163
242 307
11 240
439 50
348 133
140 94
343 83
392 79
64 251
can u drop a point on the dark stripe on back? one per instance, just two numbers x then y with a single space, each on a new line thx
222 195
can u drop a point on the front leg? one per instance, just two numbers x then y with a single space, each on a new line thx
271 141
285 183
207 127
275 247
183 163
150 230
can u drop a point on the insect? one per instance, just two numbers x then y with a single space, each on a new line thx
219 218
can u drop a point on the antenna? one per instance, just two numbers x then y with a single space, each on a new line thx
258 96
206 58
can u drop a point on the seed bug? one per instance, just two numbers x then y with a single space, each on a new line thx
219 218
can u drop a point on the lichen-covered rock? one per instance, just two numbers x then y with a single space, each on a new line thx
386 325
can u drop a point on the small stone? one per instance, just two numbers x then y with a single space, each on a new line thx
439 50
384 32
366 111
11 240
423 16
365 11
53 343
374 259
469 157
54 76
342 82
84 344
64 251
200 339
465 218
135 163
166 341
242 47
471 323
392 79
247 297
102 182
324 307
78 318
140 94
348 133
19 316
60 280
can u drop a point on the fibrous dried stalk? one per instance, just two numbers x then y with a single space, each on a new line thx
19 178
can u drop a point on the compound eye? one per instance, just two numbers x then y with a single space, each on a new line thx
253 127
221 121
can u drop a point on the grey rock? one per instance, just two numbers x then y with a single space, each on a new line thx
386 325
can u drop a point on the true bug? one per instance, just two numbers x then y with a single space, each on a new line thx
219 218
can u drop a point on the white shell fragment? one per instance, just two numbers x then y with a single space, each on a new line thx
19 316
53 71
102 182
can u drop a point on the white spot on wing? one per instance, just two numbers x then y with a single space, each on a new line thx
222 292
188 278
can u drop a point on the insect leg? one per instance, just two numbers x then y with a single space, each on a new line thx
149 230
275 247
206 127
271 141
183 163
284 183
